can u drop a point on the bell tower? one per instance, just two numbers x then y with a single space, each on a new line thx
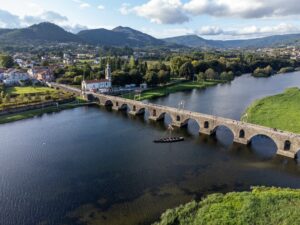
108 72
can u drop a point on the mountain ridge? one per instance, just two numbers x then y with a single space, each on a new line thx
125 36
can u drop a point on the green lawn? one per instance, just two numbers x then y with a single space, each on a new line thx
280 111
181 86
262 205
28 90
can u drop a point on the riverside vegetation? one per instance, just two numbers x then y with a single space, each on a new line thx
280 111
263 205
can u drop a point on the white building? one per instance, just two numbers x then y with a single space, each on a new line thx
103 85
14 76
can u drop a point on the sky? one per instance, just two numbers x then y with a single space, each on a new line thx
210 19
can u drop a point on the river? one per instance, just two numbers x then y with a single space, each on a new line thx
91 165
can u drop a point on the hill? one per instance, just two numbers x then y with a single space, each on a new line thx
125 36
119 36
271 41
43 32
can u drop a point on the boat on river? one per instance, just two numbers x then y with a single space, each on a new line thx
169 140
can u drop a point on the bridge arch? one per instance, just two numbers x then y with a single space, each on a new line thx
264 145
193 126
224 134
108 103
123 106
264 136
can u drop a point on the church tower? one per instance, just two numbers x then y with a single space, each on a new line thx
108 72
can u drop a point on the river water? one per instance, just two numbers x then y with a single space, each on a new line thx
91 165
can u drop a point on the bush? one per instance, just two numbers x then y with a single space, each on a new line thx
262 205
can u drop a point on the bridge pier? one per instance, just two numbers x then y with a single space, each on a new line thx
179 124
289 154
243 141
206 131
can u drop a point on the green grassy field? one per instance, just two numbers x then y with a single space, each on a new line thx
280 111
28 90
262 205
181 86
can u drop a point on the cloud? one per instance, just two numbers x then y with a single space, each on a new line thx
162 11
8 20
177 12
282 28
125 9
48 16
243 8
101 7
84 5
210 30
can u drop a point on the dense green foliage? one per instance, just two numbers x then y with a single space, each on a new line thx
263 72
280 111
6 61
262 205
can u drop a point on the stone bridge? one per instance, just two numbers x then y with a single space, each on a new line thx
288 144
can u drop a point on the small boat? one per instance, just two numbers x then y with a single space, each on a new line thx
169 140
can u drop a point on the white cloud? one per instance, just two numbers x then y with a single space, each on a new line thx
84 5
101 7
8 20
210 30
243 8
282 28
162 11
125 9
175 11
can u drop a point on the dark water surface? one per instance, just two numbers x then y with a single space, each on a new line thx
93 166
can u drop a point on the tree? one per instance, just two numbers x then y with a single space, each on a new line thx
201 76
211 74
176 63
132 64
151 78
187 71
163 76
6 61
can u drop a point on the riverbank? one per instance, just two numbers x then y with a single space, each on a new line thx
38 112
280 111
172 88
260 206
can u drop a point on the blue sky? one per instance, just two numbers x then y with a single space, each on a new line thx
211 19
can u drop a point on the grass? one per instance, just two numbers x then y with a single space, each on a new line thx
172 88
262 205
38 112
28 90
280 111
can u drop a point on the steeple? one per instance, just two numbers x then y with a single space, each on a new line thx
108 72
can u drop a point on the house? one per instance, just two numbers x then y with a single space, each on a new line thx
103 85
14 76
44 74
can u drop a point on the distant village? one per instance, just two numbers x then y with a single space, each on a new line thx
28 71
